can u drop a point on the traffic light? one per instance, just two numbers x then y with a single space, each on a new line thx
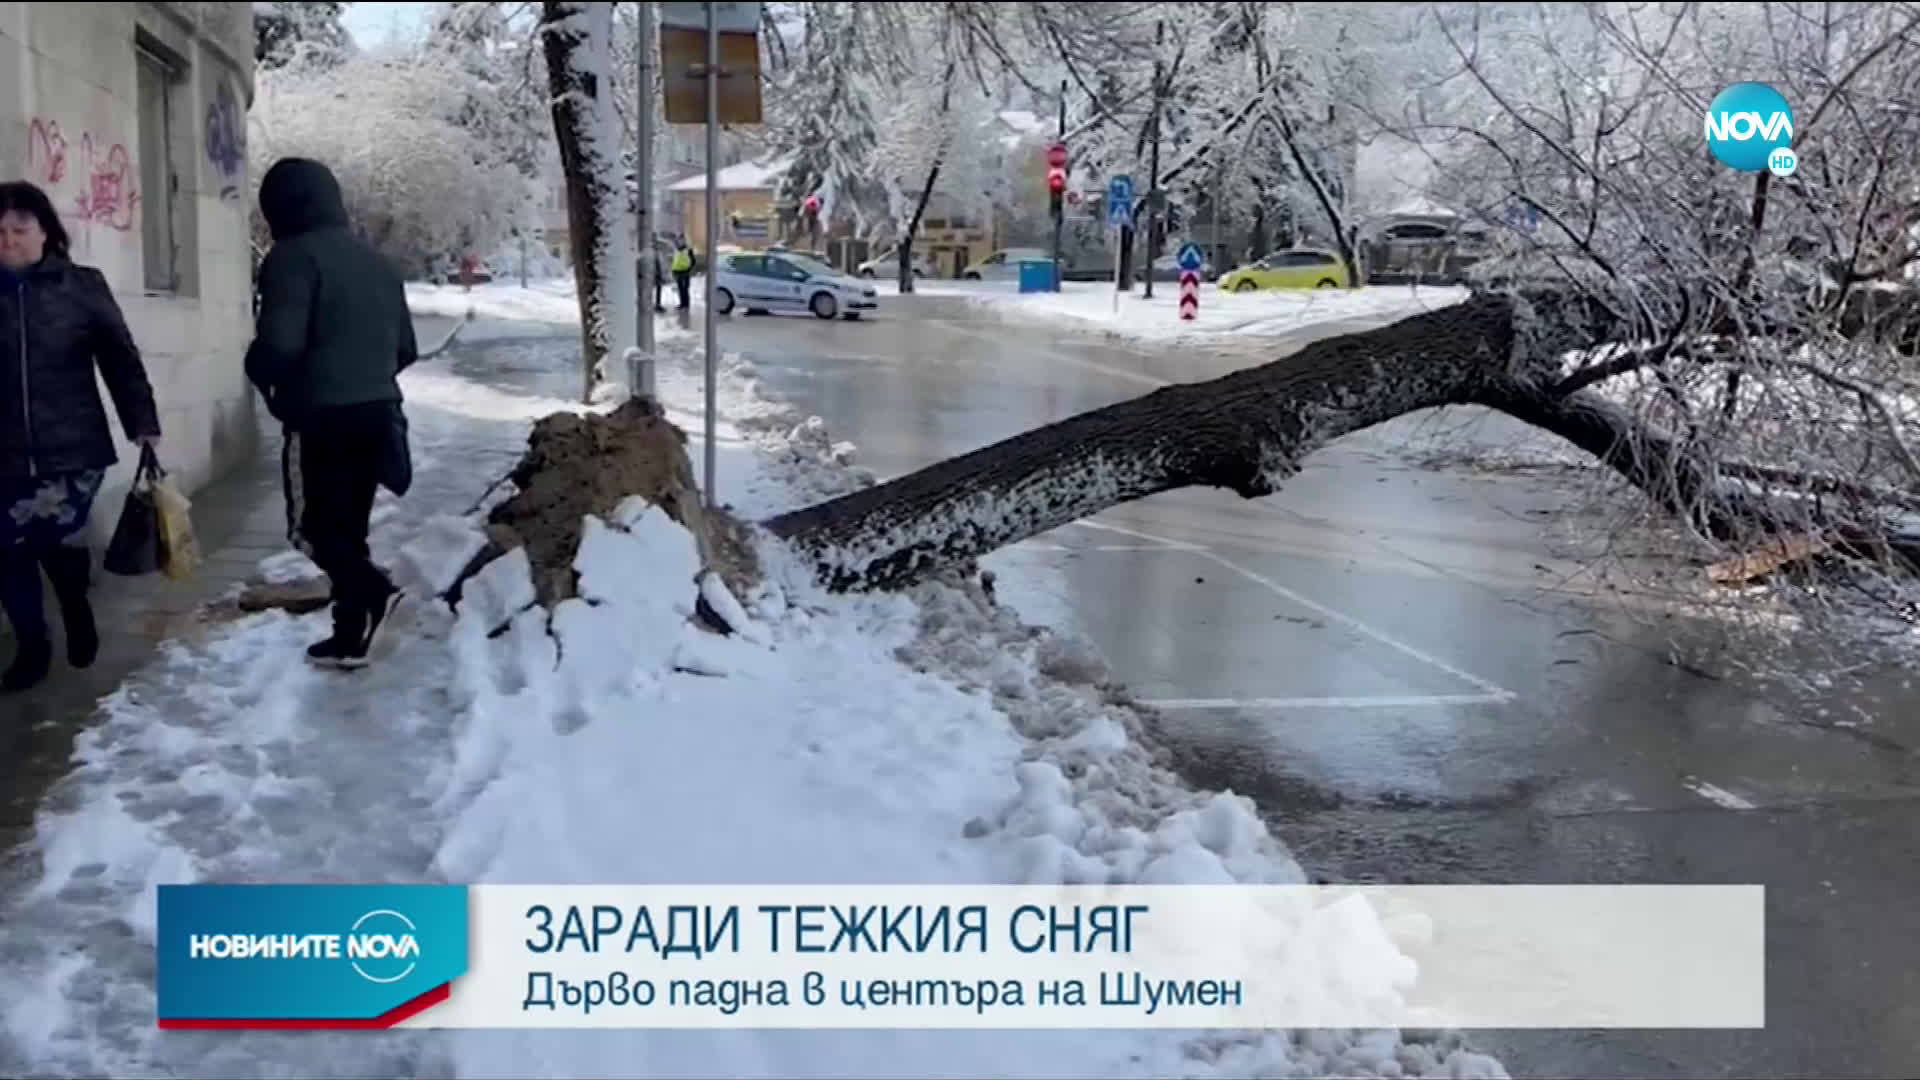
1056 180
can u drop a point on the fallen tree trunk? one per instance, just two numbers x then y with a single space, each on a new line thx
1246 431
1250 430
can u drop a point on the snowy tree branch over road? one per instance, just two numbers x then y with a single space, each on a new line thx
1737 349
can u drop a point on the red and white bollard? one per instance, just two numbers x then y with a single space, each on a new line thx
1189 295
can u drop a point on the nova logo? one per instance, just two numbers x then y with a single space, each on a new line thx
381 946
1750 127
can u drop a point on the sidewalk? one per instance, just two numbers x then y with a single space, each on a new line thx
240 521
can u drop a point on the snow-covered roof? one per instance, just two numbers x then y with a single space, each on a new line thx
1020 120
1419 206
746 176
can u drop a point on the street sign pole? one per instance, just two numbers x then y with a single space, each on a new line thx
713 230
692 39
640 382
1190 260
1119 215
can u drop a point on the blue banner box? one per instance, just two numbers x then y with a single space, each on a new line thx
307 956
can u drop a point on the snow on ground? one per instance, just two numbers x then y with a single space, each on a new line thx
920 738
1267 312
541 301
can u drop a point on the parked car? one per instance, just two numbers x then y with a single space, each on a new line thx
1167 268
1299 268
449 274
1004 265
888 264
762 281
1424 250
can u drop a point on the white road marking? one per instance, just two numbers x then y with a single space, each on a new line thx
1163 543
1717 795
1080 362
1490 688
1412 701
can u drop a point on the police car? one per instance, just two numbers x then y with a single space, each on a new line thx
757 281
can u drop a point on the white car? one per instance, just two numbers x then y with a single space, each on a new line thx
757 281
889 265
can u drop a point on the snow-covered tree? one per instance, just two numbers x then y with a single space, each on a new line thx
422 182
936 130
578 42
299 32
822 109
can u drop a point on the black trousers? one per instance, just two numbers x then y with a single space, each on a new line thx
331 466
683 281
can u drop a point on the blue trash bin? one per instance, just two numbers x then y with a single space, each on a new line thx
1036 275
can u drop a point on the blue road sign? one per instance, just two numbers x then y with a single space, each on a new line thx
1190 257
1120 201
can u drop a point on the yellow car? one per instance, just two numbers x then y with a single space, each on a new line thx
1301 268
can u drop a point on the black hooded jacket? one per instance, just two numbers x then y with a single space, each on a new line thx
332 328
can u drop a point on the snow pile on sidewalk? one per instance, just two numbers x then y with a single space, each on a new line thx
923 738
1265 313
928 738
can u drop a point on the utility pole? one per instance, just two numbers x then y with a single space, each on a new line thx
1153 164
640 383
1059 198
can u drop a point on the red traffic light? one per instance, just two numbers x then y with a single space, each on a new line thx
1057 155
813 204
1056 180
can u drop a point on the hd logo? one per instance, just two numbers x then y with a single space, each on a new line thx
1750 127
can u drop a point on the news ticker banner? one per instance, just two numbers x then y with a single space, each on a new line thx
991 957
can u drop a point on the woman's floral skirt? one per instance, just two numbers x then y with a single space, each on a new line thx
46 511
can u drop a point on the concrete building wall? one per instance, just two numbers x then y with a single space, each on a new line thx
133 117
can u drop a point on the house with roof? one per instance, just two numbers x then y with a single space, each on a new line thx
744 193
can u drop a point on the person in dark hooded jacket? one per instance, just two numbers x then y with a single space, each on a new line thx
331 337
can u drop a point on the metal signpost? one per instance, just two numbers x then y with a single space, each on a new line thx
1119 214
725 38
1190 260
640 377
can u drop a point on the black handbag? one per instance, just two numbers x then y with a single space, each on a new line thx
135 550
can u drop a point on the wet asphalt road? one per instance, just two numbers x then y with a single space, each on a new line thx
1397 667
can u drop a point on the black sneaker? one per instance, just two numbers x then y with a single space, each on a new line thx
377 620
341 651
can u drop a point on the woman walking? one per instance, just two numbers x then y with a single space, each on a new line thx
58 321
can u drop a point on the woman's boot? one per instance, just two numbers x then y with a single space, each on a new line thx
20 596
71 571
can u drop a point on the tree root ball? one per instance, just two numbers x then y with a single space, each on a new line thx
578 465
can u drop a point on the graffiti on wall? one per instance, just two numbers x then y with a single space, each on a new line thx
226 140
94 186
46 152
